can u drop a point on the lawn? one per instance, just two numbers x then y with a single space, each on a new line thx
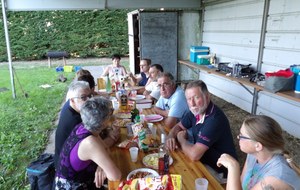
25 123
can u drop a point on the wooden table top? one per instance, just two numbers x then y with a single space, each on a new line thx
182 165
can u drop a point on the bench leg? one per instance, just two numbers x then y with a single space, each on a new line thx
65 62
49 62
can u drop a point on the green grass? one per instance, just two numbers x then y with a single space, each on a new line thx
25 123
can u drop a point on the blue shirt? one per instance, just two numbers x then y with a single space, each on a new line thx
144 80
276 167
176 104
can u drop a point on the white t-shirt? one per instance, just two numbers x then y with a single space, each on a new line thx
154 89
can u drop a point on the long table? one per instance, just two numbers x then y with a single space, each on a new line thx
182 165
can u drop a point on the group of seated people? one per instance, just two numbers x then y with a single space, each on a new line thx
198 128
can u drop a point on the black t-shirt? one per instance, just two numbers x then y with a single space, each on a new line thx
68 119
214 132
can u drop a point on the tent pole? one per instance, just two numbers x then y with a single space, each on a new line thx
8 48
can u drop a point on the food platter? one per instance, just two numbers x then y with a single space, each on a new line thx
151 160
153 118
137 97
141 173
123 115
121 122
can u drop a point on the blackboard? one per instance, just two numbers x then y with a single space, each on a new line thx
158 40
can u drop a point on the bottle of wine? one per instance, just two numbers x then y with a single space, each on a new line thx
163 160
134 112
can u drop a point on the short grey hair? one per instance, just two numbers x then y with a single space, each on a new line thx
169 76
95 112
200 84
75 87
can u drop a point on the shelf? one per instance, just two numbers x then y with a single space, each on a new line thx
291 95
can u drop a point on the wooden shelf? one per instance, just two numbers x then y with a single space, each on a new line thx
243 81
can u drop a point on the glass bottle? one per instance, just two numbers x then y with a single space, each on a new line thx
163 160
134 112
123 101
108 85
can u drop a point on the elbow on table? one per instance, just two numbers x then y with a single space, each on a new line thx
116 177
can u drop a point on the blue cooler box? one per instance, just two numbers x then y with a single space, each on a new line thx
198 50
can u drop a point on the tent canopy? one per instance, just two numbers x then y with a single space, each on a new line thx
41 5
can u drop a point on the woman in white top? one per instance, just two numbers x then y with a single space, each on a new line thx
268 164
115 69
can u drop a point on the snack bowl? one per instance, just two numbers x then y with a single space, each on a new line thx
142 173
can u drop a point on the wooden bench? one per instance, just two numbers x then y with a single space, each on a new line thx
57 54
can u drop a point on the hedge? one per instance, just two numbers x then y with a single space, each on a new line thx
97 33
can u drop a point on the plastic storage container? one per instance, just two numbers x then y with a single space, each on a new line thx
203 59
198 50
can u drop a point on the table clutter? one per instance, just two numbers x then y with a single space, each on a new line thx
155 167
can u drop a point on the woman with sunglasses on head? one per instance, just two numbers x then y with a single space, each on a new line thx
84 150
268 164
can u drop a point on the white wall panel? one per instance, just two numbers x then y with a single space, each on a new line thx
232 31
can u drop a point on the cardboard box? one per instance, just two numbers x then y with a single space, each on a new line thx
198 50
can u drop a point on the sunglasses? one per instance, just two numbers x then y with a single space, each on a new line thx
243 137
85 98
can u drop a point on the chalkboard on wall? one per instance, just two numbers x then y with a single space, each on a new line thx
159 39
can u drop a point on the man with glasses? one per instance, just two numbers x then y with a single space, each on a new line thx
172 103
204 132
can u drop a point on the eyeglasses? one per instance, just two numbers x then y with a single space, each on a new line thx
165 85
84 98
243 137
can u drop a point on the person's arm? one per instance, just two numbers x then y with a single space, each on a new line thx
93 148
233 166
171 143
193 151
160 111
105 72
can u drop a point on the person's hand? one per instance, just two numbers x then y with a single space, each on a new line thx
114 133
100 176
227 161
171 144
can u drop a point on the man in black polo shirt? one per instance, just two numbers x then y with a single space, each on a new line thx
203 133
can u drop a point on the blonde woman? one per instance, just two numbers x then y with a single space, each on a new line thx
268 164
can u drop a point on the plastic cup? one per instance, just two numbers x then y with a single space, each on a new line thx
115 104
100 83
152 129
201 184
133 93
134 151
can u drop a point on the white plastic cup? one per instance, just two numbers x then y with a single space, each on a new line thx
134 151
133 93
163 138
115 104
201 184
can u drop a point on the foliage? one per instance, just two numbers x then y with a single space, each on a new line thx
25 123
97 33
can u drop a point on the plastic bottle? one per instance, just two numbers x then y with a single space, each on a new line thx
108 85
117 81
163 160
134 112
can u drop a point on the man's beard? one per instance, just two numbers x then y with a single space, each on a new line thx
199 110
